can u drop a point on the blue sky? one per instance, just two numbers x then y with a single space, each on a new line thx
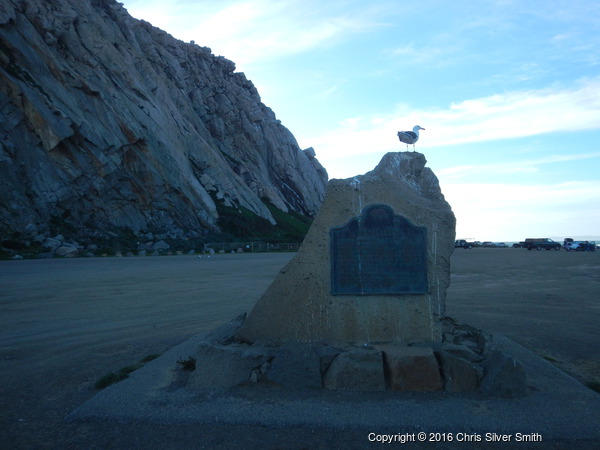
508 92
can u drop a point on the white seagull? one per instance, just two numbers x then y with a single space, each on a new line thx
410 137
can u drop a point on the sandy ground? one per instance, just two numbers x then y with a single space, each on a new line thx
547 301
65 323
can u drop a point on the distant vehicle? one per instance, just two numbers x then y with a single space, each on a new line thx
500 245
571 245
487 244
586 246
540 243
461 243
581 246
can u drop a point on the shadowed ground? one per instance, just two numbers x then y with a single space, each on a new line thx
547 301
64 323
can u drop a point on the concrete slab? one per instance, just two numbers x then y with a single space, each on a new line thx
557 409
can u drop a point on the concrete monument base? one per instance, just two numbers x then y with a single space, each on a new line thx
557 412
464 361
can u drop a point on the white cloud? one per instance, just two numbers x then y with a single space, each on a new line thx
501 116
524 166
511 211
439 53
247 31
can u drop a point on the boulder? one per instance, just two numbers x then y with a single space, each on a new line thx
356 370
51 244
503 376
160 245
460 375
296 366
66 250
411 368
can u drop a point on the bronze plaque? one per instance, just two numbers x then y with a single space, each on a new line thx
378 252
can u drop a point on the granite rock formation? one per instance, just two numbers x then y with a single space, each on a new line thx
107 121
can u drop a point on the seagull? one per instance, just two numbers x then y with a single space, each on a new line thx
410 137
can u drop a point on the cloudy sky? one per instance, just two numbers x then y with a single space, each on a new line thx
508 92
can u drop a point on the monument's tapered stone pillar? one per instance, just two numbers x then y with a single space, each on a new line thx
374 266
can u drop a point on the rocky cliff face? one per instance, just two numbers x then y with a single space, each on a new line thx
107 121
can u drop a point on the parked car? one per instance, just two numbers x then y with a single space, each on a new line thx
570 245
586 246
501 245
581 246
461 243
540 243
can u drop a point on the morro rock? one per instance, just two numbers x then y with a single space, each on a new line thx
107 121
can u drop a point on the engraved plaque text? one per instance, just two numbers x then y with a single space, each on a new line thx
378 252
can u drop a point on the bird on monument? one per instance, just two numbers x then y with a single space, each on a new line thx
410 137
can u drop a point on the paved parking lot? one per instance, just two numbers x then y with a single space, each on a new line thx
64 323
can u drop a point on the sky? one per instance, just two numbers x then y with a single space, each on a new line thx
508 93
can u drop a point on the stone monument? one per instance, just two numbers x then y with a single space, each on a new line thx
374 266
361 306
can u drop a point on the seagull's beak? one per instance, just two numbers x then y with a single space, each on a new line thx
422 128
